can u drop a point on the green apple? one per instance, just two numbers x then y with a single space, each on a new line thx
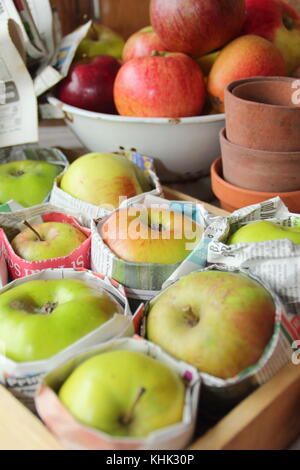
41 318
264 230
150 235
28 182
124 393
47 240
100 40
220 322
207 61
102 178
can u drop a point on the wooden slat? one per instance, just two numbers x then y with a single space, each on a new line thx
269 419
20 429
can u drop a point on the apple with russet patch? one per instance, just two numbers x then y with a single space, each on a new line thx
40 318
27 182
220 322
124 394
150 235
264 230
143 87
103 178
100 40
47 240
89 84
142 43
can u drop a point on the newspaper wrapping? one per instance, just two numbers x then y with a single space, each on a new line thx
18 105
22 378
221 393
61 199
75 435
142 280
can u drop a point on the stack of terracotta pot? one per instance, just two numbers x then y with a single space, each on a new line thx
260 145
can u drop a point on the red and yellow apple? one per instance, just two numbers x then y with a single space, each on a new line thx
245 57
47 240
278 22
141 44
197 27
220 322
164 85
150 235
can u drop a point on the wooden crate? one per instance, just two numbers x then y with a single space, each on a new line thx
268 419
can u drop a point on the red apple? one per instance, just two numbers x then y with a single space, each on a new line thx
164 85
142 44
277 22
89 84
197 27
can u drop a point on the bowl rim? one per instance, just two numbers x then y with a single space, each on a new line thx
66 108
239 83
255 152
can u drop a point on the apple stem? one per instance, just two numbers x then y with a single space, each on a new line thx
33 230
155 54
128 417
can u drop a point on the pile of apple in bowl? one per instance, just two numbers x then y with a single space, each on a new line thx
165 97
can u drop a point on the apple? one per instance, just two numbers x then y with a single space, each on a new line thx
100 40
47 240
89 84
207 61
245 57
264 230
220 322
141 44
150 235
40 318
277 22
197 27
163 85
103 178
124 393
27 182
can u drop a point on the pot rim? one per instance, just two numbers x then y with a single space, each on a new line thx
256 152
66 108
229 91
215 173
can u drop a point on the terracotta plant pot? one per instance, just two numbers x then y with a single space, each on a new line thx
259 170
232 197
262 113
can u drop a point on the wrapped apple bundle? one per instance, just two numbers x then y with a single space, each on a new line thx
49 316
265 238
226 323
143 244
89 403
44 237
97 183
27 174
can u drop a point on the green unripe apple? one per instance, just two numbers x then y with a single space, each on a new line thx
124 393
28 182
264 230
40 318
220 322
102 178
48 240
100 40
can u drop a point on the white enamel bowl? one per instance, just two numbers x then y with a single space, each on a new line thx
183 149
